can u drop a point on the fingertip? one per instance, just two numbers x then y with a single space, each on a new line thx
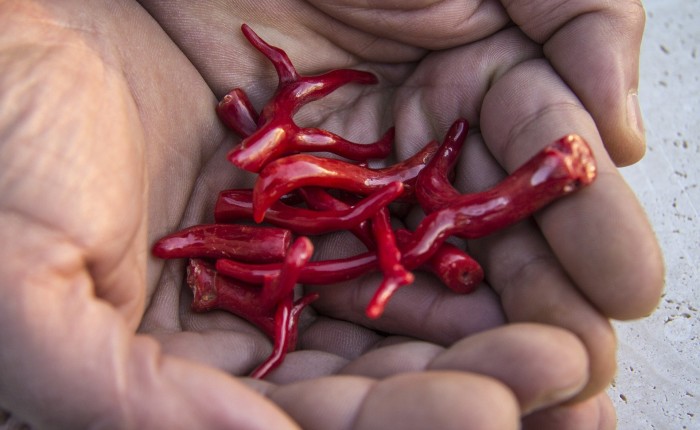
623 133
553 364
630 270
628 155
646 286
439 400
597 55
651 281
596 413
323 403
608 247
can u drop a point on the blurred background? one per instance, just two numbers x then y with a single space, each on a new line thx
658 381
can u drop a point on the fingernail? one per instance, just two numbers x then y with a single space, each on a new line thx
634 112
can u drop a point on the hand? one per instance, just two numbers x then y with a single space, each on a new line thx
520 88
92 132
97 119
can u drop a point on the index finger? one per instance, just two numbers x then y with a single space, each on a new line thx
601 235
595 47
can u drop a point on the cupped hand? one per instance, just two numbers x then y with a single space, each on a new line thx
110 141
103 123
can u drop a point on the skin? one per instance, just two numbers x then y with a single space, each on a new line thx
109 140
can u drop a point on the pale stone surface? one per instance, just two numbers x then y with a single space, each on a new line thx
658 381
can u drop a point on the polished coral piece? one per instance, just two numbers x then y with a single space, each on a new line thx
389 256
434 189
289 173
271 308
557 170
243 242
252 271
235 205
276 133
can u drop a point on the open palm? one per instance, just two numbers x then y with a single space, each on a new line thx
113 142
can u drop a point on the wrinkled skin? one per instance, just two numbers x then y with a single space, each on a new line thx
108 140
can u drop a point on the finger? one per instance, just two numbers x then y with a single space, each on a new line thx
452 84
423 23
532 285
595 47
324 348
552 364
445 400
339 337
596 413
438 400
600 235
304 365
393 359
425 309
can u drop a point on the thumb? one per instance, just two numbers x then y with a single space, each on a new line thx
595 48
69 360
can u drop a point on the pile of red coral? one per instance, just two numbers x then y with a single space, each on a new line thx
252 270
